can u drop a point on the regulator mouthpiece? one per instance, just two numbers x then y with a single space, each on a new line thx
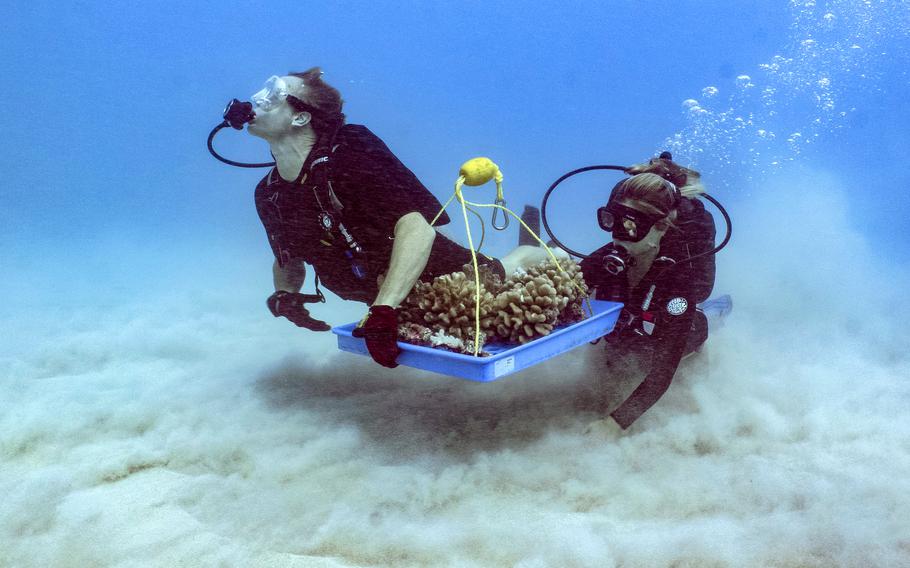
237 113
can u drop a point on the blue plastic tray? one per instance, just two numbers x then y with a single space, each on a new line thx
504 359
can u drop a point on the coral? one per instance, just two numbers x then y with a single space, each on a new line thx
422 335
527 305
447 304
532 303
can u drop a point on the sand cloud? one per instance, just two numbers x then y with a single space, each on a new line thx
179 432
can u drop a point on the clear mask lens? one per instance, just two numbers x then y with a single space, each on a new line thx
605 219
272 93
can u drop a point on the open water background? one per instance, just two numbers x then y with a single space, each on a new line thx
152 412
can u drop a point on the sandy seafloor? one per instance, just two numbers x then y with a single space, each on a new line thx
190 430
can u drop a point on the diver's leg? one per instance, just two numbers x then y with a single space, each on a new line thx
615 370
698 334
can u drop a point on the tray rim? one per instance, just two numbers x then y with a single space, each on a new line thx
346 329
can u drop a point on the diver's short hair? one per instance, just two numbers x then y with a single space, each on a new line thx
317 92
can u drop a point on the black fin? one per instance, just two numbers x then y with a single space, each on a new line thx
531 218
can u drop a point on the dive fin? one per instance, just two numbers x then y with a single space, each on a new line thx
717 309
531 217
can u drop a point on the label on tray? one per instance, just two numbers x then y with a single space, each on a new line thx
504 366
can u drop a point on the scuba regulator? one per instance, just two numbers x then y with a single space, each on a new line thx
612 218
236 114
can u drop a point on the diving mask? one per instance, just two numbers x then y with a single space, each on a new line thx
272 93
626 224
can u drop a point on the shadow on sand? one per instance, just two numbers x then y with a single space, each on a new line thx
407 413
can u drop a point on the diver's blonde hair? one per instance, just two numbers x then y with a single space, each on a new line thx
650 189
688 181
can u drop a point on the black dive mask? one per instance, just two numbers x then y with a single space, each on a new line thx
625 223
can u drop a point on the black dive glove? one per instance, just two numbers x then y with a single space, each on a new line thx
290 305
627 328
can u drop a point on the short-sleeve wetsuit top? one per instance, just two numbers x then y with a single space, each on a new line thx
373 190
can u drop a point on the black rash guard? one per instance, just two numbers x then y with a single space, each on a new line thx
670 326
374 190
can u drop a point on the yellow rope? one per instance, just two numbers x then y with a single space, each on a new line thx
483 228
464 213
459 183
436 218
537 238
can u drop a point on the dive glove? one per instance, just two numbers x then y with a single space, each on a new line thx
290 305
627 328
380 330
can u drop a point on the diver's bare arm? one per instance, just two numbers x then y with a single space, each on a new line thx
413 243
289 277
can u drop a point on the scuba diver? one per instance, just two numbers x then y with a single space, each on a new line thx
339 200
660 265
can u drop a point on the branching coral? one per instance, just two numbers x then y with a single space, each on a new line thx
532 303
529 304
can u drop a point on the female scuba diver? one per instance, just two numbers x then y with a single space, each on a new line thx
657 229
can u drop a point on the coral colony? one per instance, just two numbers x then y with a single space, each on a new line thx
529 304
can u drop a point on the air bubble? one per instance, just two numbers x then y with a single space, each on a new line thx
836 50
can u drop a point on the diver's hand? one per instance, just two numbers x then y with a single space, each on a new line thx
627 326
380 330
665 168
290 305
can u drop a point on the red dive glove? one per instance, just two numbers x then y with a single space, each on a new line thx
380 331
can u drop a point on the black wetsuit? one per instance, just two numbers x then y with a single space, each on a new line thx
671 326
373 190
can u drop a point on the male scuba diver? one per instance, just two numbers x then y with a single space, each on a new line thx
339 200
660 264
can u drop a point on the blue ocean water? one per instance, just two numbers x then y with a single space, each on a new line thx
130 94
134 271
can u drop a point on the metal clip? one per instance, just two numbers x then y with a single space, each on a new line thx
496 211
